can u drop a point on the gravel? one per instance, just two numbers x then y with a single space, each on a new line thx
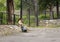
8 30
35 35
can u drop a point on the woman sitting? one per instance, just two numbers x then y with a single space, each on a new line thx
23 28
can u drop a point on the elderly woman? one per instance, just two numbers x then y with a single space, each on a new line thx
20 22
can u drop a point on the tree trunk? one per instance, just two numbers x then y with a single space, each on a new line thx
21 10
29 12
36 11
57 9
51 16
10 11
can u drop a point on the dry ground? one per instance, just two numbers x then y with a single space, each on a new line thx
35 35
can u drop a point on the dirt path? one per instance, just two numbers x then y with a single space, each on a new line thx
35 35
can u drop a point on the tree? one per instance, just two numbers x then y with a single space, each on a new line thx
21 10
57 8
10 10
36 11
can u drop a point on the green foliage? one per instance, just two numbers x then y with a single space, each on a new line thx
16 19
55 16
4 19
42 16
17 4
43 4
2 5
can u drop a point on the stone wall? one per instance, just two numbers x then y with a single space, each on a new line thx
55 22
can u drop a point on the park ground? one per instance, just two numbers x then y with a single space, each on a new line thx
34 35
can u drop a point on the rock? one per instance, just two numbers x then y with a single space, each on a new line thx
9 29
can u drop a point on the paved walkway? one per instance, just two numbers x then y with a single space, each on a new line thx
35 35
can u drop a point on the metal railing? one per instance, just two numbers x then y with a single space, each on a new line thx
3 18
31 21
